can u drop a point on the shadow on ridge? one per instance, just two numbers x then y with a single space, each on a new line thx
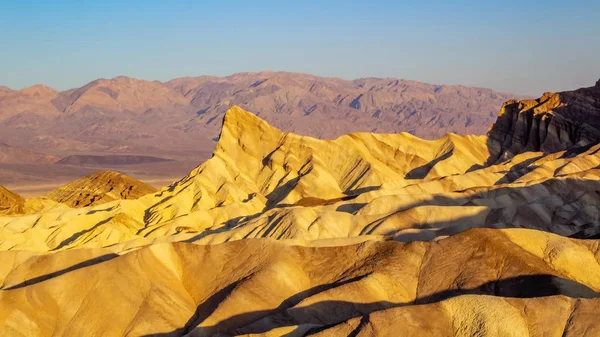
422 171
569 218
518 170
84 264
324 314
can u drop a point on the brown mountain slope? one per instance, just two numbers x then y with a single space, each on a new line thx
282 234
99 188
13 155
182 117
119 94
35 99
330 107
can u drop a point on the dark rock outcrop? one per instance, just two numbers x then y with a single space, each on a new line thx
553 122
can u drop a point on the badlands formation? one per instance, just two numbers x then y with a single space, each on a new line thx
365 235
99 188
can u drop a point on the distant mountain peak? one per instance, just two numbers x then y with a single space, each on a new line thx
39 90
5 89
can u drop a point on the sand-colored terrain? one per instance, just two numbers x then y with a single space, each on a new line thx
99 188
365 235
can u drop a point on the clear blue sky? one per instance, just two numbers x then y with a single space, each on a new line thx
519 46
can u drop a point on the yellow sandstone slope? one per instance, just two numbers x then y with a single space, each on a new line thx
98 188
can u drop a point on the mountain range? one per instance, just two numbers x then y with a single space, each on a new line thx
182 117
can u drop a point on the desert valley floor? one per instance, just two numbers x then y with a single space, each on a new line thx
279 234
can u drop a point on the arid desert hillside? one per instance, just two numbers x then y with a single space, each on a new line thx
367 234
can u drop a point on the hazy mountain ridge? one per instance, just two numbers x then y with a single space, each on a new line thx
182 117
377 105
